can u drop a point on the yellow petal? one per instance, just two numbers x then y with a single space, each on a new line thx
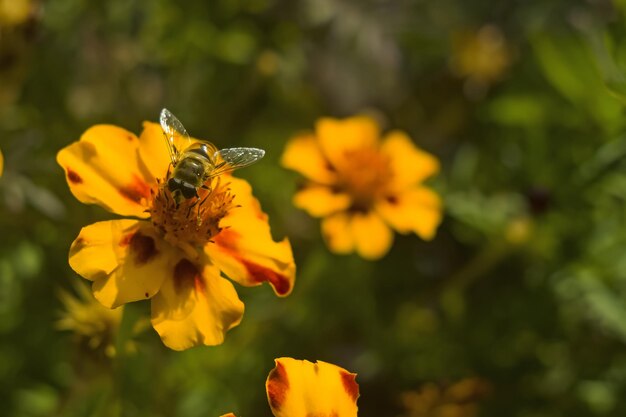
337 137
1 163
337 232
123 258
105 167
409 164
416 210
298 388
303 154
245 251
153 149
372 237
320 201
195 307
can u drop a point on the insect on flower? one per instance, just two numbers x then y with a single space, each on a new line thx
193 226
195 162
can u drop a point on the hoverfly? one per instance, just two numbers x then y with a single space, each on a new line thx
196 161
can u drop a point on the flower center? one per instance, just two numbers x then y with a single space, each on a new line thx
194 221
365 175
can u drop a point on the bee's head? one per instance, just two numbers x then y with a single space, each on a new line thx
186 189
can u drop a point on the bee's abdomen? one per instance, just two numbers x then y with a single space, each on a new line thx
200 149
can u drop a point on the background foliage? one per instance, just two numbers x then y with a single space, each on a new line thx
524 285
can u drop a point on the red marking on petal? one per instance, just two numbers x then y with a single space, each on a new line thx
392 199
350 385
125 241
187 276
78 244
260 273
73 177
136 191
227 240
277 386
143 248
199 284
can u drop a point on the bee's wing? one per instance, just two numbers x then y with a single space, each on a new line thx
230 159
176 136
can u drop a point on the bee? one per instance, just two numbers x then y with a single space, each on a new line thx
196 161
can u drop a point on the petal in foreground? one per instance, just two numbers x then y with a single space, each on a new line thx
245 251
104 167
123 259
298 388
195 307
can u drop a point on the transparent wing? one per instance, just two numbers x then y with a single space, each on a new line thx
230 159
176 136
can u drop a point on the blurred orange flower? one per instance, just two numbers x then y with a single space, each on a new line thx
362 187
456 400
297 388
171 254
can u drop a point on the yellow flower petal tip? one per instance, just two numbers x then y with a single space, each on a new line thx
177 246
299 388
363 186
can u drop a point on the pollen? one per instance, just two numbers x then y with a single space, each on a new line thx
192 223
365 175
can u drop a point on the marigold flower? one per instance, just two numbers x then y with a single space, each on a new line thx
171 254
482 57
362 187
297 388
460 399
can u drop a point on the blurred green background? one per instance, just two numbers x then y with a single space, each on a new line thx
524 286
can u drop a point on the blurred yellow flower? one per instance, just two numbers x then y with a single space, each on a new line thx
482 57
362 187
171 254
297 388
457 400
93 323
15 12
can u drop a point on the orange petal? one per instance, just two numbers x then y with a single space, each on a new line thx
298 388
372 237
337 137
320 201
303 154
416 210
153 149
195 307
337 232
228 415
104 167
245 251
123 258
409 164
